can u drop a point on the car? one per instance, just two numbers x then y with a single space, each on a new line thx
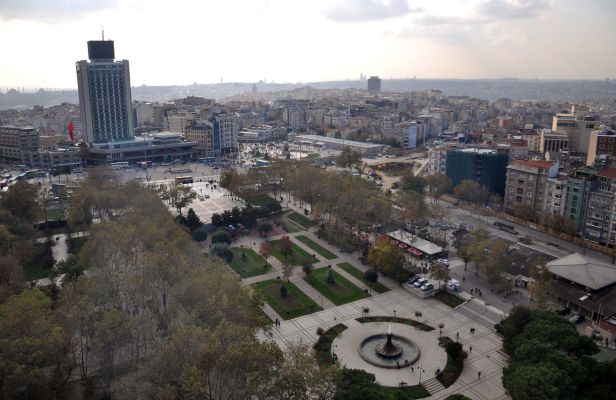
443 261
413 279
426 287
575 318
563 310
420 282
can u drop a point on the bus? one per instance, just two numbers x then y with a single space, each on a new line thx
206 160
505 227
119 165
26 175
262 163
145 164
184 180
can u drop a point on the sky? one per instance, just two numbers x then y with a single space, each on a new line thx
191 41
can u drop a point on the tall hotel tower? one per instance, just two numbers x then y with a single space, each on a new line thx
104 95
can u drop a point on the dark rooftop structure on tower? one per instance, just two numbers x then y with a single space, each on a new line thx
101 50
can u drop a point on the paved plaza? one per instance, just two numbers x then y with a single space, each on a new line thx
485 355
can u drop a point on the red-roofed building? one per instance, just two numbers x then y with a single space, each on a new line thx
525 188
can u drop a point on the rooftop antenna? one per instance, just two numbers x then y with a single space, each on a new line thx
103 33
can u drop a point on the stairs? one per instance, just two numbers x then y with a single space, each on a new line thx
480 314
432 385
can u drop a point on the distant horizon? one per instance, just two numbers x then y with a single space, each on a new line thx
34 89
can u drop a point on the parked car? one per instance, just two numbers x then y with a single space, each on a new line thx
420 282
414 279
563 310
575 318
426 287
443 261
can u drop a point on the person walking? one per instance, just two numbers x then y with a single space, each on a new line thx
470 349
479 375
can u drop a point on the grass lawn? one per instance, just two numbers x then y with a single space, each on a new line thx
340 292
448 298
397 320
312 156
407 392
301 220
316 247
295 304
77 243
452 369
288 226
297 256
261 199
253 265
35 269
348 268
323 346
55 213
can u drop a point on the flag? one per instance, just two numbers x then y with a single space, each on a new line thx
71 131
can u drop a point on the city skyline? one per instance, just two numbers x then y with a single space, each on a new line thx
241 41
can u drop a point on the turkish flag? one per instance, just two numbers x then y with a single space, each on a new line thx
71 131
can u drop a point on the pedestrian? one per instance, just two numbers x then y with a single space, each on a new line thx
457 335
470 349
471 291
412 370
463 279
479 375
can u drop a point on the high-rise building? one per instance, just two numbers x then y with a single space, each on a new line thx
577 124
486 166
104 94
374 84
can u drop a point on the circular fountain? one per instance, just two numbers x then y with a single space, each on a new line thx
388 350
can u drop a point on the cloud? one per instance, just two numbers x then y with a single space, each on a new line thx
512 9
51 10
370 10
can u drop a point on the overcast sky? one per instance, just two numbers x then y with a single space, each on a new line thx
184 41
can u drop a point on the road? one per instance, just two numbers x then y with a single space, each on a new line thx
540 240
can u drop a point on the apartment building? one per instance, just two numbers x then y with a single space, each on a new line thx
600 221
527 183
203 134
577 125
16 143
580 183
602 142
555 193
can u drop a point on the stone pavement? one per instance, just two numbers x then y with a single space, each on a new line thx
486 344
485 355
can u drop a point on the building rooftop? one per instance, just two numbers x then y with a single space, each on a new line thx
608 173
415 241
534 163
326 139
583 271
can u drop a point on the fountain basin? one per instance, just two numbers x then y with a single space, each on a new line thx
388 351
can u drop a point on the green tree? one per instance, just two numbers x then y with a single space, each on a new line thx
34 362
371 275
348 158
440 272
471 192
438 185
264 228
181 196
413 183
192 220
307 268
387 258
221 237
541 288
200 234
21 200
357 384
